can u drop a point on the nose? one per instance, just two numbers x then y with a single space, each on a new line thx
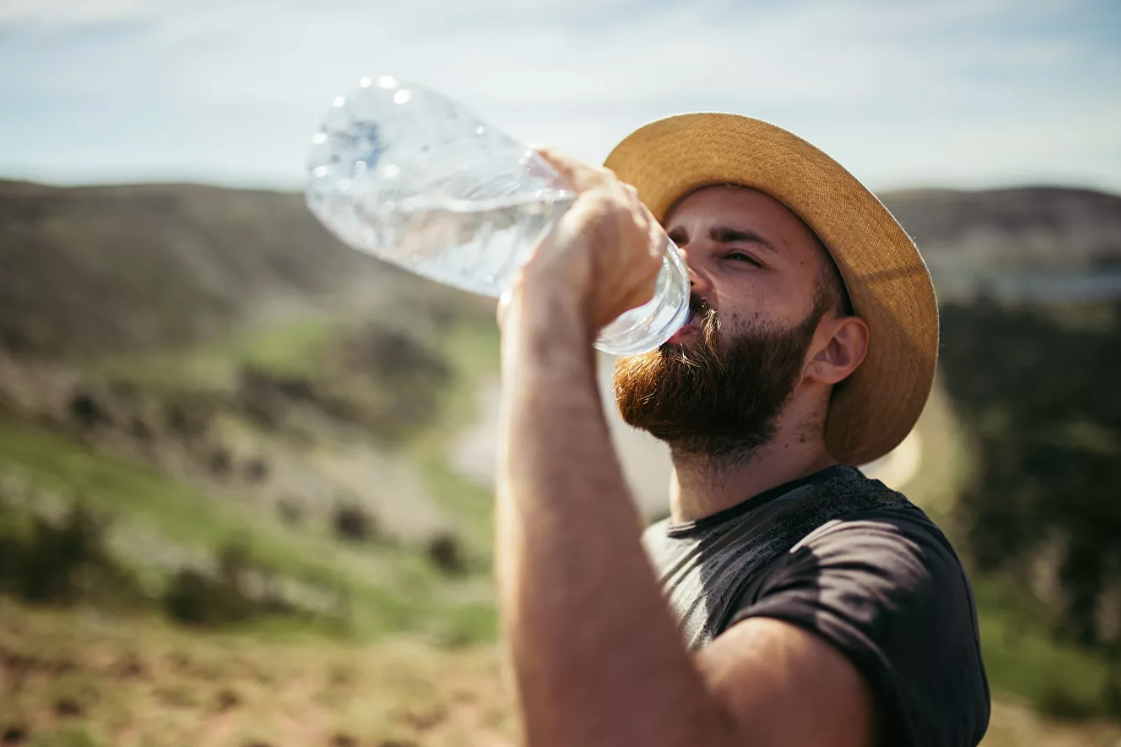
699 282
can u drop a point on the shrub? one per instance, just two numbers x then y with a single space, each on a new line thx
196 598
63 562
220 462
354 523
1057 701
257 470
445 550
87 411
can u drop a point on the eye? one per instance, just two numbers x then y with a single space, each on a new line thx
741 257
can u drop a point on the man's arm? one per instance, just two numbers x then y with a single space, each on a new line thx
598 661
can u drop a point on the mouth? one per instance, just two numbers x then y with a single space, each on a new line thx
693 325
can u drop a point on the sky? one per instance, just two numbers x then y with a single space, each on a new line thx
905 93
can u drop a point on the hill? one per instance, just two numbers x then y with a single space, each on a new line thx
236 422
236 395
1012 228
93 270
96 270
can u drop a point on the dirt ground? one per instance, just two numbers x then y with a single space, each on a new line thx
83 680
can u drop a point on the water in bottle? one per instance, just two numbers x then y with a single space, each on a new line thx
403 173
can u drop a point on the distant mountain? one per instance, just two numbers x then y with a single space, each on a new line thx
103 269
1025 228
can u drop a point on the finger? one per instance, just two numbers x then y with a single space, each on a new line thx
659 240
580 175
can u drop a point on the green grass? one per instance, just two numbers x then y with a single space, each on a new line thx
409 593
291 691
112 484
473 351
389 588
393 589
292 349
471 504
1023 659
1021 656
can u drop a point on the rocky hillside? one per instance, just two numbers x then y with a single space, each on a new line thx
240 423
1026 228
87 271
114 269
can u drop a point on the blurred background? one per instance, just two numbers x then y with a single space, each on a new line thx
245 472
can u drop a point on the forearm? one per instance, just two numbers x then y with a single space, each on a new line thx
597 658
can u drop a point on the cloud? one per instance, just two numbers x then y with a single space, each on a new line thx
953 90
61 12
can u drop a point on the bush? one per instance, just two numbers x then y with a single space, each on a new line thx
257 470
87 411
445 550
62 562
1111 691
195 598
220 463
1044 429
1057 701
354 523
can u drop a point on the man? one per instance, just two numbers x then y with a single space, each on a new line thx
787 600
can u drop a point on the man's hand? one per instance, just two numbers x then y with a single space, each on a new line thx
605 253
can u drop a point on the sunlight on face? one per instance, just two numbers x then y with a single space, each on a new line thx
749 256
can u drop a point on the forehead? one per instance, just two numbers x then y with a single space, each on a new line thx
733 206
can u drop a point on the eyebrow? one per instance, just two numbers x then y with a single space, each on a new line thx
729 235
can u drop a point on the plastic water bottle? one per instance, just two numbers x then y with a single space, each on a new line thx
405 174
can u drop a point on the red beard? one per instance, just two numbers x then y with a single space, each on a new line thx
719 395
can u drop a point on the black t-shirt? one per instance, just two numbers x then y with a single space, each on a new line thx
857 564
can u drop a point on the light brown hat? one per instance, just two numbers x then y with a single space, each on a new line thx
887 280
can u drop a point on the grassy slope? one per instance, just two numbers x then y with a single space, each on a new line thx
287 349
392 589
1024 661
475 350
96 269
81 679
388 587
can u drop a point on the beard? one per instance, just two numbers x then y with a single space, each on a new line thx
717 396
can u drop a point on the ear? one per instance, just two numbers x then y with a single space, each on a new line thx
839 346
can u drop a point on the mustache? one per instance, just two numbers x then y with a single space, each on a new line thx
700 309
704 353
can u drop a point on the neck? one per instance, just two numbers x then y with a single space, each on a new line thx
704 484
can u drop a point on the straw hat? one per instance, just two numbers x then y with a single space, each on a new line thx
887 280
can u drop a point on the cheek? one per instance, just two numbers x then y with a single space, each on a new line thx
759 301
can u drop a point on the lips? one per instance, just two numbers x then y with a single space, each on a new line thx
692 326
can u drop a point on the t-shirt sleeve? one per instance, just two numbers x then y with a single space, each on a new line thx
889 593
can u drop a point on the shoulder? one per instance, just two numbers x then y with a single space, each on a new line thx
899 544
891 572
886 589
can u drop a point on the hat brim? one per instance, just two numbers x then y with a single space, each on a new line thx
887 281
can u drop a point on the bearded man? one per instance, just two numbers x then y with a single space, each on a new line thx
787 600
